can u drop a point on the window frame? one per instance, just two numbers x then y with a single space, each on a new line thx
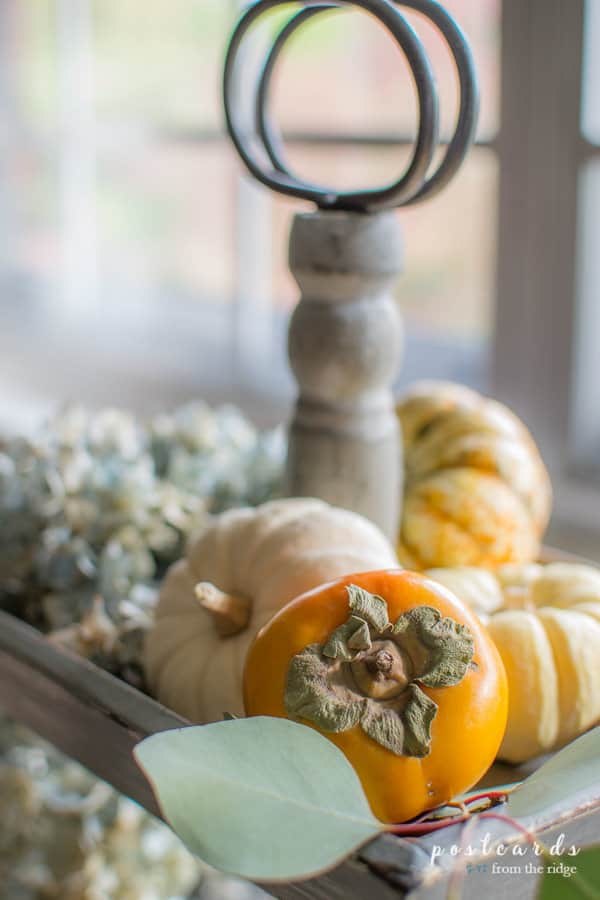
537 334
540 330
254 206
539 341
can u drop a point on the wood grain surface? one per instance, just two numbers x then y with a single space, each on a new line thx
97 719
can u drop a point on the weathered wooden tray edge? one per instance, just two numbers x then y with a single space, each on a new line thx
83 710
97 719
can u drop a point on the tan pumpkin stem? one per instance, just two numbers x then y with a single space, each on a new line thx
230 612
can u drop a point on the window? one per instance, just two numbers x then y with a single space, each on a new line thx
136 231
585 420
349 64
545 361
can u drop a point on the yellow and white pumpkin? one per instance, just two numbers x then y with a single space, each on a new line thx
545 621
241 570
476 490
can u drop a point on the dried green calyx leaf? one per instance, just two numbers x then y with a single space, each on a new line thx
349 638
418 715
370 607
448 645
310 696
367 670
406 732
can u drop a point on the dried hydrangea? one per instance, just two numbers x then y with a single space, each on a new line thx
218 455
95 506
68 836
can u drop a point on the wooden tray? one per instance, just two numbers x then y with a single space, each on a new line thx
97 719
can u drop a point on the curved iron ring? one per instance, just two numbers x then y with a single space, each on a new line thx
466 122
278 178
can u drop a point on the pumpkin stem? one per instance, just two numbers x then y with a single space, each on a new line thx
94 633
230 612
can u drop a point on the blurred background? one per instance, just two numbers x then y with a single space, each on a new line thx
140 267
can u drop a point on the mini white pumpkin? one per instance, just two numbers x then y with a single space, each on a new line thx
545 621
241 570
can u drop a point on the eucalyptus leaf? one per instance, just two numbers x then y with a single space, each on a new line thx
262 798
583 884
574 769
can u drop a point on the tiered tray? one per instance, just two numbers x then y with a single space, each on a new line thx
97 719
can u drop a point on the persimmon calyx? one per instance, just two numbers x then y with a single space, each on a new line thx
367 673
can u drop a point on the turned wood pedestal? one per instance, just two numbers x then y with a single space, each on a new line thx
345 342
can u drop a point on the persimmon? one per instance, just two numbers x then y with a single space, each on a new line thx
398 673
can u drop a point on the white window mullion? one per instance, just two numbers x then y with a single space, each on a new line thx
252 300
77 154
585 419
590 118
9 134
585 415
539 149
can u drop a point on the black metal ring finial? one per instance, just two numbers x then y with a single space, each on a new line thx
269 165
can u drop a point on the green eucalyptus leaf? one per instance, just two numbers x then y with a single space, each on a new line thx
573 770
262 798
583 884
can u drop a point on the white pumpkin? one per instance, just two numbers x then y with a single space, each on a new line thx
241 570
545 621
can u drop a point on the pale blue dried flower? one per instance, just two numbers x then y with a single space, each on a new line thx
98 503
66 834
93 509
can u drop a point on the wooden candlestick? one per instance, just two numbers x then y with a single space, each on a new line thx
345 343
345 335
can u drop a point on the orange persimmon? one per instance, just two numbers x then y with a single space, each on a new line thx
398 673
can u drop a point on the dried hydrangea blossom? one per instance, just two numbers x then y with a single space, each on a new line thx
93 508
68 836
218 454
99 504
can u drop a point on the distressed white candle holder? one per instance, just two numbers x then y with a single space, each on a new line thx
345 334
